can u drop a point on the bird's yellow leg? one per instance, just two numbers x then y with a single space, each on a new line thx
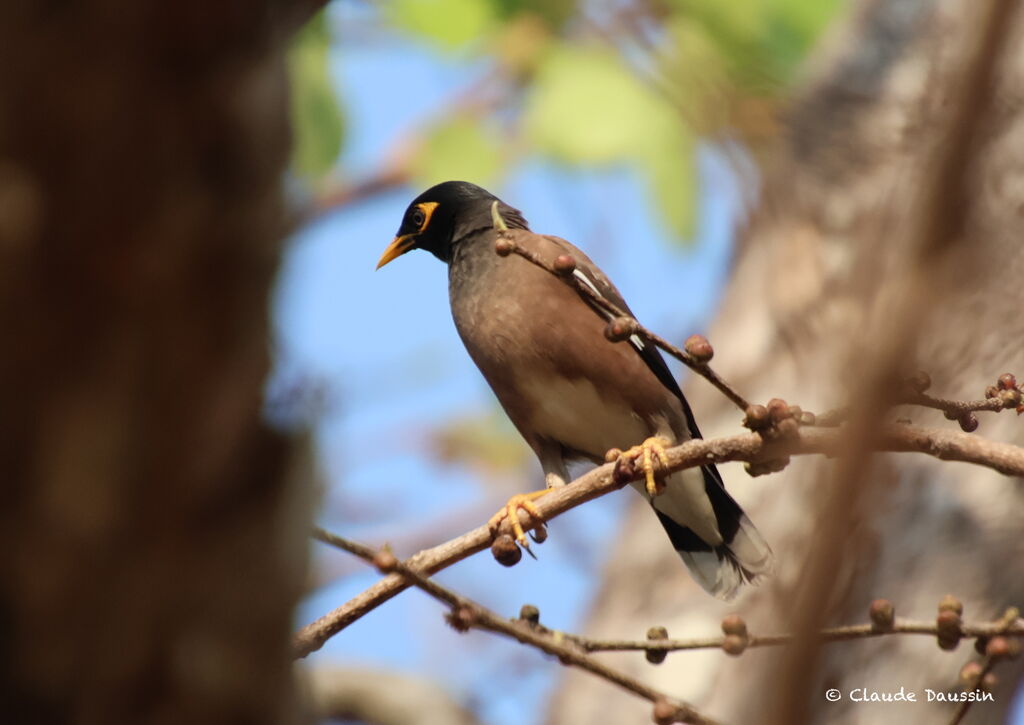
510 511
645 455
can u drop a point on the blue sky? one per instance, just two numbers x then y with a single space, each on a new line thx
384 346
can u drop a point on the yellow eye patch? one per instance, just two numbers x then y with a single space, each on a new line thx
427 208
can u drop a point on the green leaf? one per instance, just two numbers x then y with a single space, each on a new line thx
451 24
317 122
587 108
460 148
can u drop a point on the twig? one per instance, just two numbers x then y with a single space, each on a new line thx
467 614
602 304
1007 625
954 408
830 634
751 447
394 173
961 711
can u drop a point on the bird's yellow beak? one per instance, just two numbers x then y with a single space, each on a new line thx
399 246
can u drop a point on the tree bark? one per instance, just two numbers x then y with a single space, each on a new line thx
151 551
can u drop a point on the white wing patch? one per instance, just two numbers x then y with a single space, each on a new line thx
586 280
634 340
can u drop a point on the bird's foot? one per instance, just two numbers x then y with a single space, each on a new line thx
648 455
510 511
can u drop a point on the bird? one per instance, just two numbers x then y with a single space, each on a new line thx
571 393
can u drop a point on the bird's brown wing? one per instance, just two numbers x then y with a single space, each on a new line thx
592 275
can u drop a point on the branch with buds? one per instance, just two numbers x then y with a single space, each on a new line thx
755 448
465 614
998 640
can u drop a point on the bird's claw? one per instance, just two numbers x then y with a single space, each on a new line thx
510 511
645 454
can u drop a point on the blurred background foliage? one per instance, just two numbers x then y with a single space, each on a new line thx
584 83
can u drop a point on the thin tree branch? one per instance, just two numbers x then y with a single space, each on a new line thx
392 175
750 447
830 634
955 408
1007 396
467 614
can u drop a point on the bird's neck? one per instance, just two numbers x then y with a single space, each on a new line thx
471 225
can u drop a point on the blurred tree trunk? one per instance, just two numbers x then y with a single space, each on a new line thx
812 269
151 550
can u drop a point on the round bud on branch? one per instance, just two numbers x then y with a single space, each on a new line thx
664 713
736 637
764 468
461 619
998 648
656 656
882 614
529 613
1011 398
504 247
968 422
969 675
699 348
756 418
778 410
920 381
949 603
788 428
385 561
564 265
734 645
734 624
506 551
620 329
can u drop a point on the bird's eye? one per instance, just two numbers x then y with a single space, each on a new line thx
418 218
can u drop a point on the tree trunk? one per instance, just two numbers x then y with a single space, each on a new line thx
151 551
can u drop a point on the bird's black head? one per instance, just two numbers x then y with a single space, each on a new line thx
443 215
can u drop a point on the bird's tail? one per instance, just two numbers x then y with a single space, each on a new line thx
741 556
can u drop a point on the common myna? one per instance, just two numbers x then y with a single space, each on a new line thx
571 393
